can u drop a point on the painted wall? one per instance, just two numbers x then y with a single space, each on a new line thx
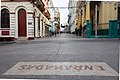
107 12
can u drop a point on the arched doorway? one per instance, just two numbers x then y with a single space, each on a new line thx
22 29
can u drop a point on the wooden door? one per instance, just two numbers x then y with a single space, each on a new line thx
22 23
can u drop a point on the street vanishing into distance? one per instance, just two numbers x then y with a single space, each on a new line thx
60 39
64 57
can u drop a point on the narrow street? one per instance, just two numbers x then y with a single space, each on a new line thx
60 39
64 49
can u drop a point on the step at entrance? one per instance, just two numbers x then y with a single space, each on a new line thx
22 39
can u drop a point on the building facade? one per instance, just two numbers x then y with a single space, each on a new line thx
47 15
22 19
98 13
51 20
72 17
57 20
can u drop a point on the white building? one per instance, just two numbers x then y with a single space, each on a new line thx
72 15
22 19
51 21
57 20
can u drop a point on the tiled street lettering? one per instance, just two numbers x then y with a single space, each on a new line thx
62 68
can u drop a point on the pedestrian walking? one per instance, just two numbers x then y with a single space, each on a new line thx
84 30
50 33
55 33
80 33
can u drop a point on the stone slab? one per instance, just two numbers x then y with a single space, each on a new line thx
62 68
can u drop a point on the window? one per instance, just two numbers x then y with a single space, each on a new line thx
5 18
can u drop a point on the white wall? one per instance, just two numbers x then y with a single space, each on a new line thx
44 20
13 8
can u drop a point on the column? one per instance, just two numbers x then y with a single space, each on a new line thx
43 28
30 28
12 24
88 24
88 11
36 27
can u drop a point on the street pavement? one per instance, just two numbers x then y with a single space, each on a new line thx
62 48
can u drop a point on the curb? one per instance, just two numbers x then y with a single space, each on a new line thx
7 42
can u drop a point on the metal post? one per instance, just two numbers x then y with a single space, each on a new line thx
96 26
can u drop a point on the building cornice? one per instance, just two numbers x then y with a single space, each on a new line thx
15 0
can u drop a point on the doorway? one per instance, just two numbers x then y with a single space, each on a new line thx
22 29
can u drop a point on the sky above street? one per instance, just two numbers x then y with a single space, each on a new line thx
63 12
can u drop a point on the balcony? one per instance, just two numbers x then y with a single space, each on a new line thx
47 14
14 0
39 4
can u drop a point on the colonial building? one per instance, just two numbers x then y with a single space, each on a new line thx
47 15
72 17
51 20
98 13
57 20
23 19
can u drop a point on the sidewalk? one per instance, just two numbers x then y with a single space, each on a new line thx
59 37
72 37
66 37
6 42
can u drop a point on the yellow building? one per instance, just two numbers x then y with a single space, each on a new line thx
97 12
